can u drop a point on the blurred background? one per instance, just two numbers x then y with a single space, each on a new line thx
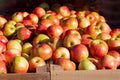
108 8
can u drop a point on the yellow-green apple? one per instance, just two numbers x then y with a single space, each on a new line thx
43 50
45 6
70 22
39 11
78 53
26 47
86 39
2 47
54 31
64 11
96 15
17 17
40 38
86 65
36 62
19 65
109 62
71 40
95 30
116 55
24 34
3 67
66 64
33 18
83 22
14 44
98 48
9 28
61 52
10 54
3 20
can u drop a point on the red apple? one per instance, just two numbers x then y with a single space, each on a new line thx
66 64
79 52
2 57
39 11
3 67
98 48
24 34
55 31
61 52
43 50
2 47
36 62
64 10
19 65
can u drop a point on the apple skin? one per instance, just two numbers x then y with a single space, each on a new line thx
36 62
17 17
54 31
39 11
64 11
98 48
61 52
2 57
71 40
24 34
40 38
9 28
3 67
2 47
3 20
43 50
19 65
26 47
10 54
86 65
78 53
66 64
14 44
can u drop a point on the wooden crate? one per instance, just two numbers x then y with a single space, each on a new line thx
57 73
42 74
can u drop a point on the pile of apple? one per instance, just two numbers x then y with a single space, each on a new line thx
75 40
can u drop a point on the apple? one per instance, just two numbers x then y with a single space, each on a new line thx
3 67
95 30
83 22
64 10
86 65
70 22
1 32
78 53
14 44
2 47
66 64
36 62
10 54
24 34
61 52
17 17
91 18
25 14
9 28
71 40
40 38
54 31
33 18
26 47
43 50
98 48
86 39
39 11
19 65
116 55
2 57
109 62
3 20
27 23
